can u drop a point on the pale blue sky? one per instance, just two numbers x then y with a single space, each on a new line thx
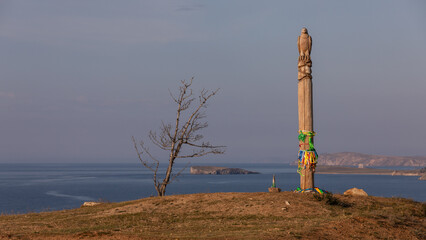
79 78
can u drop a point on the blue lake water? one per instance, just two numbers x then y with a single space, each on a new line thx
41 187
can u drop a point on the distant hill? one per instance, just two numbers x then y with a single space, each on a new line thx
354 159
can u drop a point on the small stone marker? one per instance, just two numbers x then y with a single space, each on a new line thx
355 192
273 188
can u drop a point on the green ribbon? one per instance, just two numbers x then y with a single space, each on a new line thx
311 144
302 136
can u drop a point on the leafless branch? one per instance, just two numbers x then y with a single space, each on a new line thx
172 139
174 176
154 166
203 153
204 145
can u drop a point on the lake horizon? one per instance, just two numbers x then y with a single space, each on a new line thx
36 187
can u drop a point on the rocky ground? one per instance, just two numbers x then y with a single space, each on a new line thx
284 215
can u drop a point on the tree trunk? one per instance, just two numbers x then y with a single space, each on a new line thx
162 190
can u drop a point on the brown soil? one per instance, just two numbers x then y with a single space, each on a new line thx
284 215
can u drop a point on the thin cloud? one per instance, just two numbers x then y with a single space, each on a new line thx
62 30
7 95
81 99
190 7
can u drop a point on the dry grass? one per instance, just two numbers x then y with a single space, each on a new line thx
228 216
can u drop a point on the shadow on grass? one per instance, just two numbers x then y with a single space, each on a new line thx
329 199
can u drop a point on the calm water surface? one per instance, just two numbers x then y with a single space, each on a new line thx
41 187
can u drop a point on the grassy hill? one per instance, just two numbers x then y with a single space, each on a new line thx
285 215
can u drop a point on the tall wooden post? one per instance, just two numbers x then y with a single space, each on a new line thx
307 152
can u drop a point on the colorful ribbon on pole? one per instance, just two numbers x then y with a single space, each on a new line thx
318 190
302 136
307 158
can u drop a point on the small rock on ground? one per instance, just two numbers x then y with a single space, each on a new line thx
355 192
90 204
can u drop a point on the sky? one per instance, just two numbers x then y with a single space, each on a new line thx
80 78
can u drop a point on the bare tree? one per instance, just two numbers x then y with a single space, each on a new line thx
185 133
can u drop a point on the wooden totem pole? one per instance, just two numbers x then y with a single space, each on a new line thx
307 154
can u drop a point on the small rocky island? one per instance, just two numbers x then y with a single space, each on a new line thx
219 170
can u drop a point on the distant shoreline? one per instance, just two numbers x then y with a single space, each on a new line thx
354 159
364 171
